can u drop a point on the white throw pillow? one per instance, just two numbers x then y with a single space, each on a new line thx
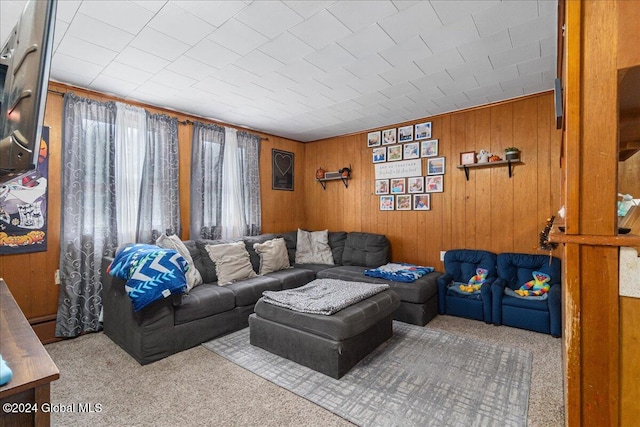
313 247
273 255
232 262
173 242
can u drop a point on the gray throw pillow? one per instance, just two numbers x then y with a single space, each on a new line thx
313 247
173 242
232 262
273 255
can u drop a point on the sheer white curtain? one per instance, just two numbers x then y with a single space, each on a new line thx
233 224
130 150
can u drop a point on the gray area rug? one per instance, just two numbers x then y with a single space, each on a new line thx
420 377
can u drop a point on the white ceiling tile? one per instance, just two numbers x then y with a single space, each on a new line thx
370 84
307 9
173 80
424 96
10 12
406 52
451 100
270 18
234 75
215 13
66 10
212 54
258 63
125 15
547 7
236 36
537 65
399 102
320 30
190 67
252 91
481 66
548 46
507 94
504 15
440 61
112 85
341 94
525 80
214 86
330 57
444 38
509 72
180 25
338 78
286 48
58 33
398 75
141 60
515 55
458 86
533 30
405 88
410 22
69 77
62 62
99 33
300 71
369 66
86 51
357 15
126 73
497 42
159 44
451 11
366 41
370 99
275 82
484 91
151 5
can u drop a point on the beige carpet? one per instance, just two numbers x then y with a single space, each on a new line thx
199 388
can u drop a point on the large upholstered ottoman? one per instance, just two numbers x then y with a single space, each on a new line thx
330 344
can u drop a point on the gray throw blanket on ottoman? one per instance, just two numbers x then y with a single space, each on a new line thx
323 296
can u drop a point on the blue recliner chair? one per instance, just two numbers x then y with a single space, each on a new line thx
540 314
460 266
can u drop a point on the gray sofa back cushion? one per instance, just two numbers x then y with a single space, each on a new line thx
366 250
253 255
337 241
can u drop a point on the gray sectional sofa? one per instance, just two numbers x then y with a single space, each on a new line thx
180 322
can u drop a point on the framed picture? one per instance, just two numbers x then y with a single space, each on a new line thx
423 131
405 134
387 203
435 166
389 136
394 153
415 184
373 139
382 186
403 202
281 170
398 186
434 184
412 150
422 202
468 158
379 154
429 148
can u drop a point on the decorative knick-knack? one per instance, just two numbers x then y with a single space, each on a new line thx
320 173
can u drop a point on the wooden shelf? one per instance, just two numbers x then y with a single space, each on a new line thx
557 236
508 163
323 181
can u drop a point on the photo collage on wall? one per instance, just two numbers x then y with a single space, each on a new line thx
404 190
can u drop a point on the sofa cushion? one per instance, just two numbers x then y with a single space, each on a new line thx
293 277
273 255
173 242
204 301
232 262
337 240
249 241
249 291
366 250
313 247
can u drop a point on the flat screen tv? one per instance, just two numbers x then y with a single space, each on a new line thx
25 60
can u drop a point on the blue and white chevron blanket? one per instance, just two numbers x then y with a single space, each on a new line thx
399 272
151 272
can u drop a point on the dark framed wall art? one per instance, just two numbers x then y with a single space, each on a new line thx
281 170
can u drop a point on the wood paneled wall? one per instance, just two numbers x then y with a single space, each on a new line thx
30 277
489 211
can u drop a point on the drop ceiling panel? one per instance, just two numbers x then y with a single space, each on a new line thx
305 69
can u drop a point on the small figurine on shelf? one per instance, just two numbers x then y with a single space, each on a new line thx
512 153
494 158
483 156
320 173
345 172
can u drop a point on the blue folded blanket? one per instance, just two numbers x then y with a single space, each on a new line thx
152 273
399 272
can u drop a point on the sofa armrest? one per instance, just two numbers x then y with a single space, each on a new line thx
497 292
148 334
443 281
